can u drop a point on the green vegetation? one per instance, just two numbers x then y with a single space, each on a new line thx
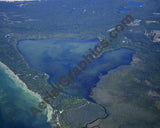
63 123
123 91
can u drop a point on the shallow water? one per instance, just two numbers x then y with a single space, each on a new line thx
15 104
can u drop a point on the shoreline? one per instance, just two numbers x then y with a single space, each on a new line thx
49 109
19 80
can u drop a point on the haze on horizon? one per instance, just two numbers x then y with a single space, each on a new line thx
16 0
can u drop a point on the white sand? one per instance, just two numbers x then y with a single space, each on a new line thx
49 109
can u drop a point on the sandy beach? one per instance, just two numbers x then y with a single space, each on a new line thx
24 86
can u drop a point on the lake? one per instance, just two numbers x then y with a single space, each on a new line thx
137 4
57 57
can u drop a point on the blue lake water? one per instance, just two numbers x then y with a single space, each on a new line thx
131 3
57 57
15 104
122 9
137 4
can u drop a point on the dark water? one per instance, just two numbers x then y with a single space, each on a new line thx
57 57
